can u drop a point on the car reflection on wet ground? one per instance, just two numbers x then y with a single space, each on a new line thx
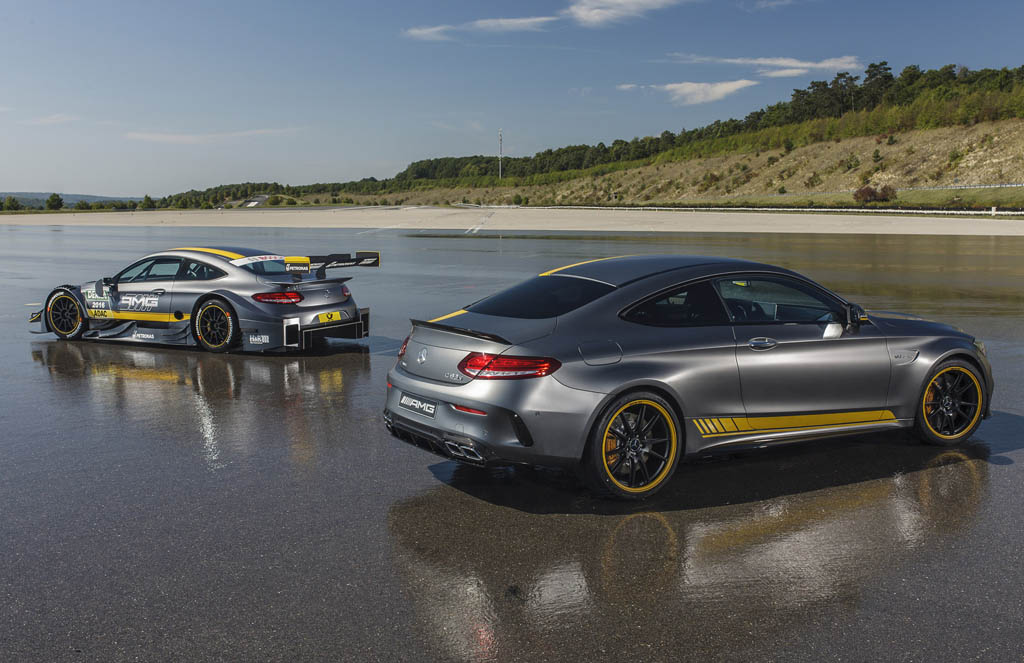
165 504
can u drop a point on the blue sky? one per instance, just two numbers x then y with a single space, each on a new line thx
127 98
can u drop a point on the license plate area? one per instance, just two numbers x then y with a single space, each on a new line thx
417 404
332 316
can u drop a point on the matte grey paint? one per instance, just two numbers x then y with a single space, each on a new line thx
708 371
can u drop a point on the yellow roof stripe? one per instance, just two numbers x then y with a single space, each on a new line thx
450 315
577 264
230 255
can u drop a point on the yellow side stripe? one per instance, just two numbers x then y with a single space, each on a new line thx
577 264
132 315
728 426
231 255
450 315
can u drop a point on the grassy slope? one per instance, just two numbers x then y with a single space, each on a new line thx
991 153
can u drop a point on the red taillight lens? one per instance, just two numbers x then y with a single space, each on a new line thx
405 344
278 297
345 292
470 410
499 367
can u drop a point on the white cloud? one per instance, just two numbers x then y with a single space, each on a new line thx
5 109
443 32
689 94
48 120
430 33
471 126
200 139
783 73
845 62
532 23
773 4
597 13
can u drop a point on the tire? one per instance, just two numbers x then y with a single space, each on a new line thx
951 404
215 326
64 315
634 448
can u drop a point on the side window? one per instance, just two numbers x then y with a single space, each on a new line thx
693 305
162 269
775 299
136 272
198 271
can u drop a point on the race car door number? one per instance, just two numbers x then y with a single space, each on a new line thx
418 404
333 316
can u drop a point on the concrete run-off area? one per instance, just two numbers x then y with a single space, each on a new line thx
475 220
167 504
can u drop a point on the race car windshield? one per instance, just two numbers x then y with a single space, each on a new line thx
267 268
542 297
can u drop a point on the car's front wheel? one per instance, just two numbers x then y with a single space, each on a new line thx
634 448
215 326
951 404
64 315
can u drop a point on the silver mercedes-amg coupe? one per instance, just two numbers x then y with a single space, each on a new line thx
219 298
624 366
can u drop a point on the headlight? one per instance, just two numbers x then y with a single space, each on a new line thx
981 348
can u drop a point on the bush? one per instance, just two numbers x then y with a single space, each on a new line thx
316 201
291 201
788 145
82 205
517 199
782 190
274 200
877 156
813 181
11 204
892 140
228 206
868 194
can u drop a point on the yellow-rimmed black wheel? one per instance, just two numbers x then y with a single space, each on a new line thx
951 404
634 448
64 315
215 326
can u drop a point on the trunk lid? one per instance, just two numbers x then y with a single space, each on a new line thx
315 293
436 349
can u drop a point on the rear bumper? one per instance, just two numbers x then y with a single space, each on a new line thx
447 445
290 334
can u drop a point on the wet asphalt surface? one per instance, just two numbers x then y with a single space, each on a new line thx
165 504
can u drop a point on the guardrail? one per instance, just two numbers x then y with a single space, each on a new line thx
813 210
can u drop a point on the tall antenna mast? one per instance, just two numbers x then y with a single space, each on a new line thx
499 154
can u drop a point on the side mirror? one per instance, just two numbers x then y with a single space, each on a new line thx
853 315
107 282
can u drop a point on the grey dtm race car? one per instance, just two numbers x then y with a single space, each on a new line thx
625 366
219 298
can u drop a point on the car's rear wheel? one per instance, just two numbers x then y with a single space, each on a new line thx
215 326
634 448
64 315
951 404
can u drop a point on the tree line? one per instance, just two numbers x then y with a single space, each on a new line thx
847 106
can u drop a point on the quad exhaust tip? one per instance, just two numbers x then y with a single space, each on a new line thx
463 451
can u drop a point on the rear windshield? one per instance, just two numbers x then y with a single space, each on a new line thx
542 297
267 268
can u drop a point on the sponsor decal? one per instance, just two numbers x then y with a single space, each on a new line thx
259 339
141 302
418 405
94 305
99 313
143 336
333 316
91 296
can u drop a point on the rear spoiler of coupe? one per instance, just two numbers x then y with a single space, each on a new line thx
461 330
297 265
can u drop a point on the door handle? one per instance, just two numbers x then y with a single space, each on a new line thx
762 343
158 291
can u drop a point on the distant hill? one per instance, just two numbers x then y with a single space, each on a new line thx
38 198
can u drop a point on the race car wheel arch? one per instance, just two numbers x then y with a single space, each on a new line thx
64 314
215 325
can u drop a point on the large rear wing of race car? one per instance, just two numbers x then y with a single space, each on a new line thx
299 265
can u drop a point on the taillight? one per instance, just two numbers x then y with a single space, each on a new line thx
278 297
483 366
405 344
470 410
345 292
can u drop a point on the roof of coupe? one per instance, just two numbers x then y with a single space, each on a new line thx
621 270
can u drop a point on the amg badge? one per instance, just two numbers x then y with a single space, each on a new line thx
417 404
